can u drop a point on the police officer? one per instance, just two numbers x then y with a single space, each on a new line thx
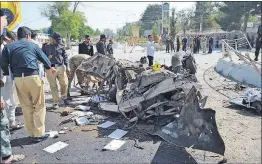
23 56
8 91
86 47
74 62
101 45
6 155
55 51
110 47
210 44
204 44
258 42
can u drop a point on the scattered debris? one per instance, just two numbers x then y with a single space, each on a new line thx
114 145
251 99
195 127
55 147
82 113
110 107
106 124
82 108
137 146
82 121
88 128
62 132
66 112
52 134
71 119
117 134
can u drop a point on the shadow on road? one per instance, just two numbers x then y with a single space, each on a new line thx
167 153
21 141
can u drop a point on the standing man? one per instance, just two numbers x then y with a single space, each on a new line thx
86 47
177 44
8 91
184 43
55 51
210 44
258 42
101 45
167 44
6 155
23 56
204 44
109 48
172 44
150 50
198 44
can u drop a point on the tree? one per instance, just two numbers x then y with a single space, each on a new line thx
173 22
155 32
236 13
97 32
85 30
184 19
63 20
109 33
68 24
203 11
150 15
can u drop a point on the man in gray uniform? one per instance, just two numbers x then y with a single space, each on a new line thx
55 51
101 45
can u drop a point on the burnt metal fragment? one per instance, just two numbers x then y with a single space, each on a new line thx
195 127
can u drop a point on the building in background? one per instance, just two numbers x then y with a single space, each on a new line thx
42 38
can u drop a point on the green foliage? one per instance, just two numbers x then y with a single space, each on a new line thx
68 23
173 27
184 18
150 15
85 30
236 13
251 19
155 32
204 11
97 32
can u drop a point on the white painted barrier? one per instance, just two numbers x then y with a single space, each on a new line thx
242 73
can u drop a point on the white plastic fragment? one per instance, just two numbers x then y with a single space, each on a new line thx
52 134
82 121
114 145
117 134
55 147
83 108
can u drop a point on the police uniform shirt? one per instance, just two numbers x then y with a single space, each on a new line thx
86 49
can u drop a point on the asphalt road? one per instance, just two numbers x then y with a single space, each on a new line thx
87 146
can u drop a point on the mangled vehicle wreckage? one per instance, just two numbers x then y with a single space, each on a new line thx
170 96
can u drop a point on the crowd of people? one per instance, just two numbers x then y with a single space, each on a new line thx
194 43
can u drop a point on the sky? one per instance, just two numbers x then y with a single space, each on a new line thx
99 15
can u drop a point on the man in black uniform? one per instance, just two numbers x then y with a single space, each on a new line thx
184 41
110 47
86 47
55 51
258 42
210 44
101 45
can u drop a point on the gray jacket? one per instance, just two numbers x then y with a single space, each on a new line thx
57 52
101 47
